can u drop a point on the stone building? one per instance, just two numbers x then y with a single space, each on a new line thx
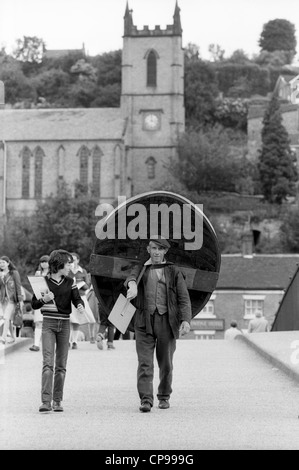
115 151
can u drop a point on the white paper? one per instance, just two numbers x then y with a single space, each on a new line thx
122 313
39 285
80 284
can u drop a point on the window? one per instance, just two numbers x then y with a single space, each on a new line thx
208 309
83 177
252 306
151 69
38 175
96 170
61 162
151 167
25 155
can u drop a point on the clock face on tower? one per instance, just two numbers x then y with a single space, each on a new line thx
151 122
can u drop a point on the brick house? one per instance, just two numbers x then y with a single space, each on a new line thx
247 283
118 151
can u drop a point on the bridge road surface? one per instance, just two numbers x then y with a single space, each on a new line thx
225 396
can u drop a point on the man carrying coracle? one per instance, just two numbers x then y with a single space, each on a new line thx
163 313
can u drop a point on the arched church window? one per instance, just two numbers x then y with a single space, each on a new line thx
151 167
38 175
96 170
61 162
151 69
83 176
25 155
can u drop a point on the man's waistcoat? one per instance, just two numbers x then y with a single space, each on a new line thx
156 294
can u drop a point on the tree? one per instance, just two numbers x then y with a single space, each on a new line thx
278 35
277 163
60 221
290 230
192 51
232 112
52 85
275 58
201 92
84 70
30 49
216 52
108 68
17 86
239 57
66 222
206 161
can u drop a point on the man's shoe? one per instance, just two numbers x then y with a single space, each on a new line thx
74 346
34 348
100 338
110 346
164 404
92 340
145 407
57 406
45 407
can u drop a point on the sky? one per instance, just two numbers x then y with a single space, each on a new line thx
98 24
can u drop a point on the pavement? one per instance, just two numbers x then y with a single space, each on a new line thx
237 395
280 348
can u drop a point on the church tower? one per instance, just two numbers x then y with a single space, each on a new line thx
152 100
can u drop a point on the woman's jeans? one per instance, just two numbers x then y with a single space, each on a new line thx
55 345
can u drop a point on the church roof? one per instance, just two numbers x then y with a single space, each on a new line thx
61 124
261 272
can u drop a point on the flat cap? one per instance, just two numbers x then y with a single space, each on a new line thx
160 241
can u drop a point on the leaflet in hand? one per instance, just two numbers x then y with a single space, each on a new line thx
39 285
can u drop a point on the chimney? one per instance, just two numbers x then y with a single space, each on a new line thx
2 95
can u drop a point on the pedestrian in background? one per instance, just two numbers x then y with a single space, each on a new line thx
56 308
259 324
163 312
94 305
10 296
233 331
42 270
27 330
83 283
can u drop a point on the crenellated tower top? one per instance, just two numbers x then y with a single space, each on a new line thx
171 30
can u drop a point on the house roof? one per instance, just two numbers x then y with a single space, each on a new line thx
57 53
255 112
287 77
261 272
61 124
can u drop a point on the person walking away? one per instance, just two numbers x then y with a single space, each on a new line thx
259 324
10 296
42 270
233 331
55 306
163 312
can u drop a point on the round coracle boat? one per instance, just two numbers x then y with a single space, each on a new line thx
123 236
